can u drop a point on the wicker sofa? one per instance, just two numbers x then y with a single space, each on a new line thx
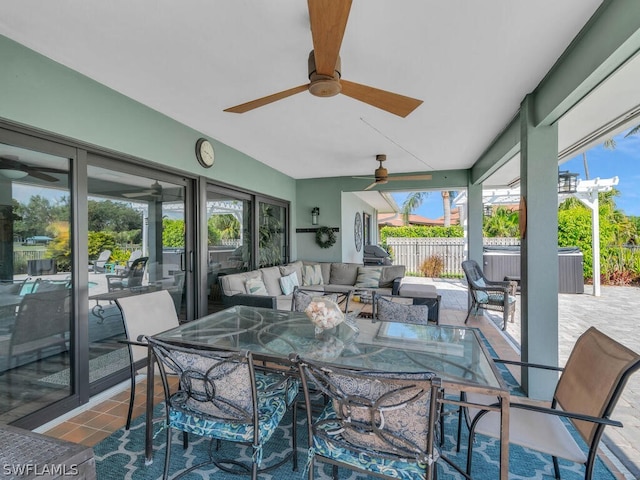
322 276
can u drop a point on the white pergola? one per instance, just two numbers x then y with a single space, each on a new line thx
586 191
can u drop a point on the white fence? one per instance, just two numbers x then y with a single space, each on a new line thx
411 252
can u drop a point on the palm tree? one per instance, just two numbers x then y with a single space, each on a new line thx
411 203
446 206
609 144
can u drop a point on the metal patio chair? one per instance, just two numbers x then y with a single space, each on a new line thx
586 394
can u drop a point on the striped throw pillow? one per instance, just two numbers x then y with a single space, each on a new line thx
368 277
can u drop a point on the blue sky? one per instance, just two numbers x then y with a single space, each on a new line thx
623 162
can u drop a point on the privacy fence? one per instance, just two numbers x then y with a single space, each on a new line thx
411 252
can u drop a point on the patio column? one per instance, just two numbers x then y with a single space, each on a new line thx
474 222
539 251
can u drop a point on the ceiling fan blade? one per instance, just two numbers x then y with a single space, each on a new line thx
41 176
328 22
145 193
261 102
388 101
410 177
371 186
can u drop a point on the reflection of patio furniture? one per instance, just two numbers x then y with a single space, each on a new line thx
42 322
586 394
130 279
43 266
402 309
98 265
145 314
489 295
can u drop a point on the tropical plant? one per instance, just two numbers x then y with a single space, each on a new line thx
412 203
172 233
502 223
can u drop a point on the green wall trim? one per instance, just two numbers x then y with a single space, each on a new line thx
501 150
39 93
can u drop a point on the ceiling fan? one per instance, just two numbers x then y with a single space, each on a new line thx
154 191
382 175
11 167
328 22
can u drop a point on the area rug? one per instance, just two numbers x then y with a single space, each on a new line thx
121 456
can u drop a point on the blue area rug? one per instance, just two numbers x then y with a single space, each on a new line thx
121 455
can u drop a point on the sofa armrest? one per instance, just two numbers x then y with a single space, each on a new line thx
395 290
263 301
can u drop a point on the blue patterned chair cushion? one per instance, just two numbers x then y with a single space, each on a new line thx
274 384
271 409
374 463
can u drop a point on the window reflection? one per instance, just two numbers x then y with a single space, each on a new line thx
136 245
35 281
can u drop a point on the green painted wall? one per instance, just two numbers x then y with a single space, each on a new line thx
38 92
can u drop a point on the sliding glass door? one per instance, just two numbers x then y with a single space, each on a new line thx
137 243
36 281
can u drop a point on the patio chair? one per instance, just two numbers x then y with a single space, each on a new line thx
489 295
586 394
42 323
221 396
145 314
376 423
131 278
98 265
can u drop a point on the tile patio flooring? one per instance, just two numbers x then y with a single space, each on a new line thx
107 412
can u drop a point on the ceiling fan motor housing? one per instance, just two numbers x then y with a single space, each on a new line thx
324 85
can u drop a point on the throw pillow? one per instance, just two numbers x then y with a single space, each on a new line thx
288 283
255 286
311 275
368 277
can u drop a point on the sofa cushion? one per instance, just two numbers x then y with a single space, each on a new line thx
255 286
288 283
312 275
368 277
344 273
389 274
236 283
271 278
292 267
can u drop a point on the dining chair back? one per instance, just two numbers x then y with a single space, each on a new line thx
374 422
399 309
220 396
586 394
43 321
144 314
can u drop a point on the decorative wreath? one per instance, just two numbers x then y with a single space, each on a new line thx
330 239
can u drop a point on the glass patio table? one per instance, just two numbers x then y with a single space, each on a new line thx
456 354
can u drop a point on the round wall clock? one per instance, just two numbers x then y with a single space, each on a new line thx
357 231
204 152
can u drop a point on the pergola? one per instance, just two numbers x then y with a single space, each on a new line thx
585 190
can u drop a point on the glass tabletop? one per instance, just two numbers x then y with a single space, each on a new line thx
456 354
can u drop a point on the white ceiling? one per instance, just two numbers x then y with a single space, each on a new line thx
471 62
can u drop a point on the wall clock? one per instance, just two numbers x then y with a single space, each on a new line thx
204 152
357 231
